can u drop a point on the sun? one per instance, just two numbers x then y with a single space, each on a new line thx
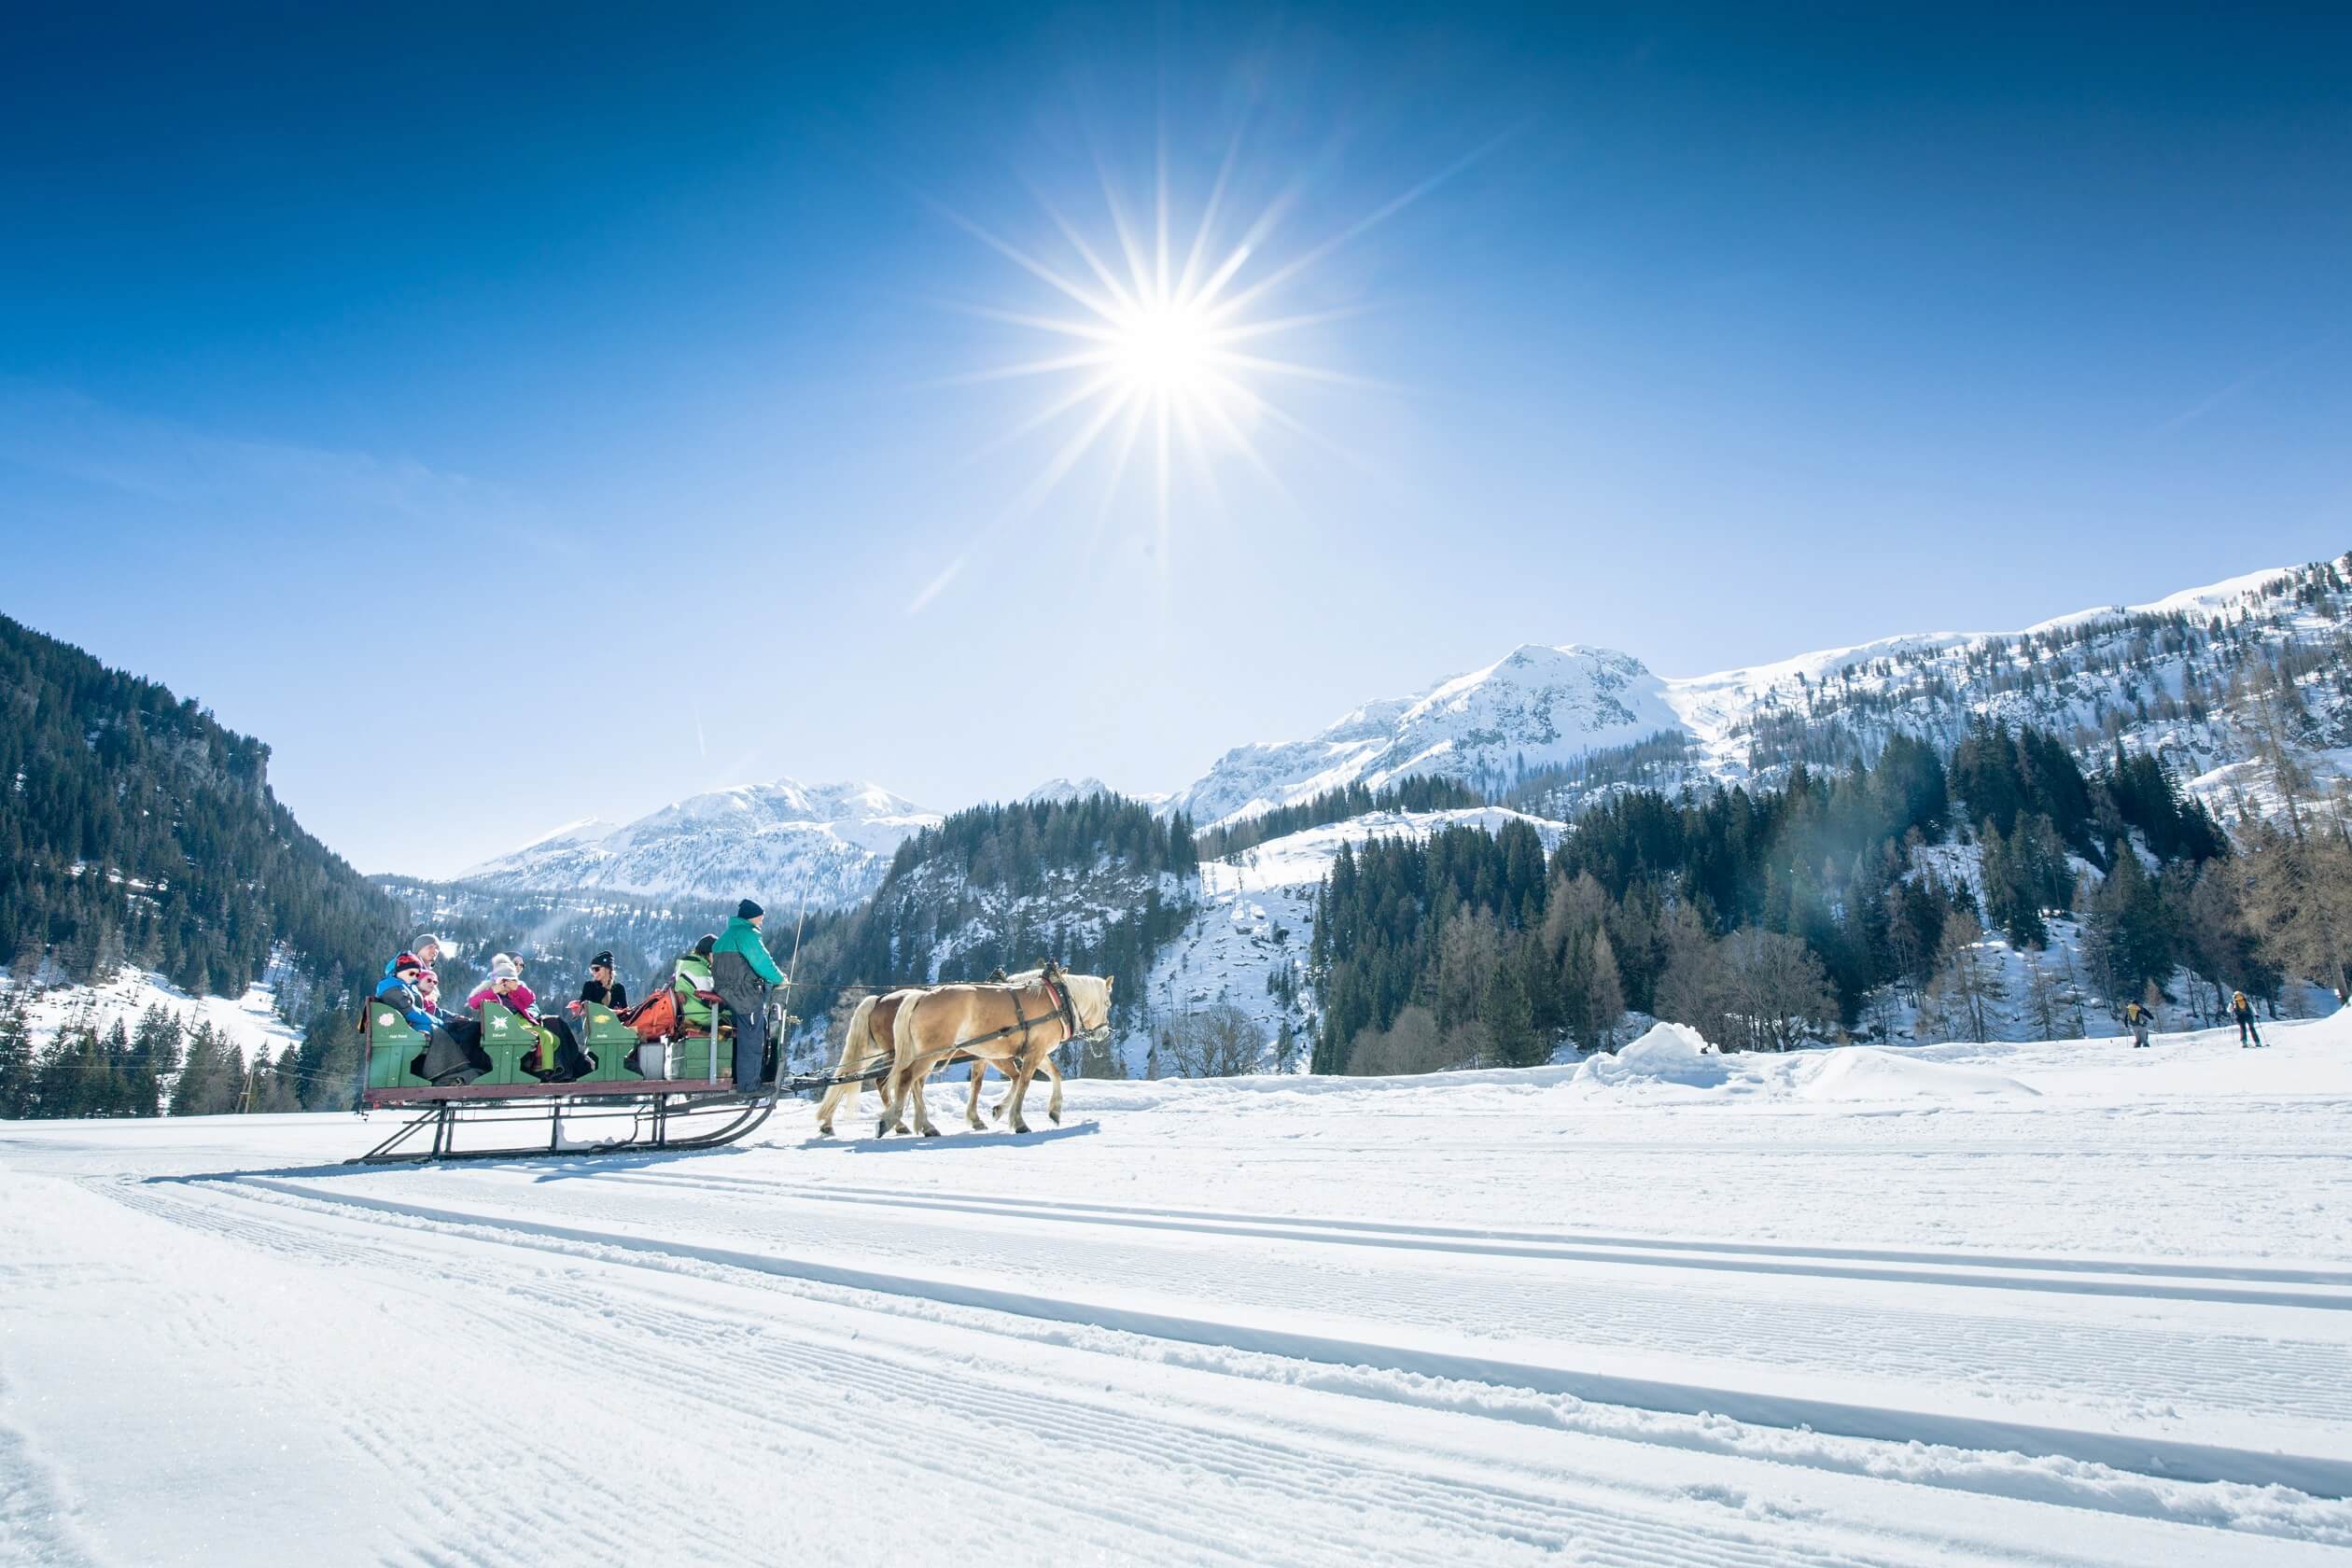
1165 362
1165 349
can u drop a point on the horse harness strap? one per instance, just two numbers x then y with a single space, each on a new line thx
1061 1014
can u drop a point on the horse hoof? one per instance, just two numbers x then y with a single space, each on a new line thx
1055 1116
930 1132
1020 1126
882 1131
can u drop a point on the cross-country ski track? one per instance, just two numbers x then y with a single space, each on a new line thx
2102 1315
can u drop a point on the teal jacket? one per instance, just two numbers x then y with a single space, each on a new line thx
742 937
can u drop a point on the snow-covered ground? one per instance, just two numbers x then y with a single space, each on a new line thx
2067 1303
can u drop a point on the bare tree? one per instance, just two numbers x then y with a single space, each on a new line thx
1775 991
1967 984
1410 1044
1219 1041
2045 1000
2298 899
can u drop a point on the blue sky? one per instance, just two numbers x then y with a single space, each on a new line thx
557 414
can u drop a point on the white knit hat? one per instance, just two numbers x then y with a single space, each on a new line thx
504 968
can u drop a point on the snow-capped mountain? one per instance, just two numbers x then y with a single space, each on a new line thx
775 842
1061 791
2196 677
1534 708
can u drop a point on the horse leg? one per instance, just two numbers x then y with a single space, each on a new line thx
1020 1092
917 1070
831 1102
1053 1106
972 1108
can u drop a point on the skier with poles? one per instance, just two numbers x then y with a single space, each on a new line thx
2242 1011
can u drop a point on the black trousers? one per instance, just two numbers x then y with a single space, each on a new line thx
749 1008
453 1053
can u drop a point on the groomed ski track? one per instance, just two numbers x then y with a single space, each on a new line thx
1487 1318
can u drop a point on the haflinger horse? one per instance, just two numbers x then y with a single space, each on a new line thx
866 1044
1016 1026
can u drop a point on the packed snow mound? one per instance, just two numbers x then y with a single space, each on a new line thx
1668 1054
1868 1073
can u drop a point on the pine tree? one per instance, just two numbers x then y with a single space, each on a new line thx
210 1075
16 1056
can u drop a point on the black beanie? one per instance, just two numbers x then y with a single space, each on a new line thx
747 910
602 961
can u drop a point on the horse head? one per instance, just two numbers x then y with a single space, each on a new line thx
1090 999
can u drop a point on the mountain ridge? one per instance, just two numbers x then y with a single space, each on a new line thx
830 843
1544 706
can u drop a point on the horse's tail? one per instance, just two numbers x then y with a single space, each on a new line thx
856 1049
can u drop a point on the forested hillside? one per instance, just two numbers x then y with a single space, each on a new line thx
1829 905
1099 883
135 828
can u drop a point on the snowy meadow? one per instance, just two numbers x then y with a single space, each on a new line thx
2062 1303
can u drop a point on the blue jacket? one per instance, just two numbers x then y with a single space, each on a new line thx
402 994
742 938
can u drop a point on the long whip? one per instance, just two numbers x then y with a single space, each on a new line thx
792 970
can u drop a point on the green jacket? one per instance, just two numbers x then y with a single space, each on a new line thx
693 975
742 937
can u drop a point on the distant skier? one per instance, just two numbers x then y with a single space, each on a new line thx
2138 1020
2243 1011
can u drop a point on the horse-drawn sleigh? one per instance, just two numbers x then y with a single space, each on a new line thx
674 1092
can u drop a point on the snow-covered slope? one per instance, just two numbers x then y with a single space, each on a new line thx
2183 676
249 1022
775 842
2070 1305
1255 913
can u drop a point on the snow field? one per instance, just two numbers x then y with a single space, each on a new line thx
2022 1303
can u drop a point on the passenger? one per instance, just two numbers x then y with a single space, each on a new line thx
601 987
505 986
428 949
448 1056
2139 1020
741 972
426 952
689 976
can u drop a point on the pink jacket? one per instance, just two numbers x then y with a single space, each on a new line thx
519 999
